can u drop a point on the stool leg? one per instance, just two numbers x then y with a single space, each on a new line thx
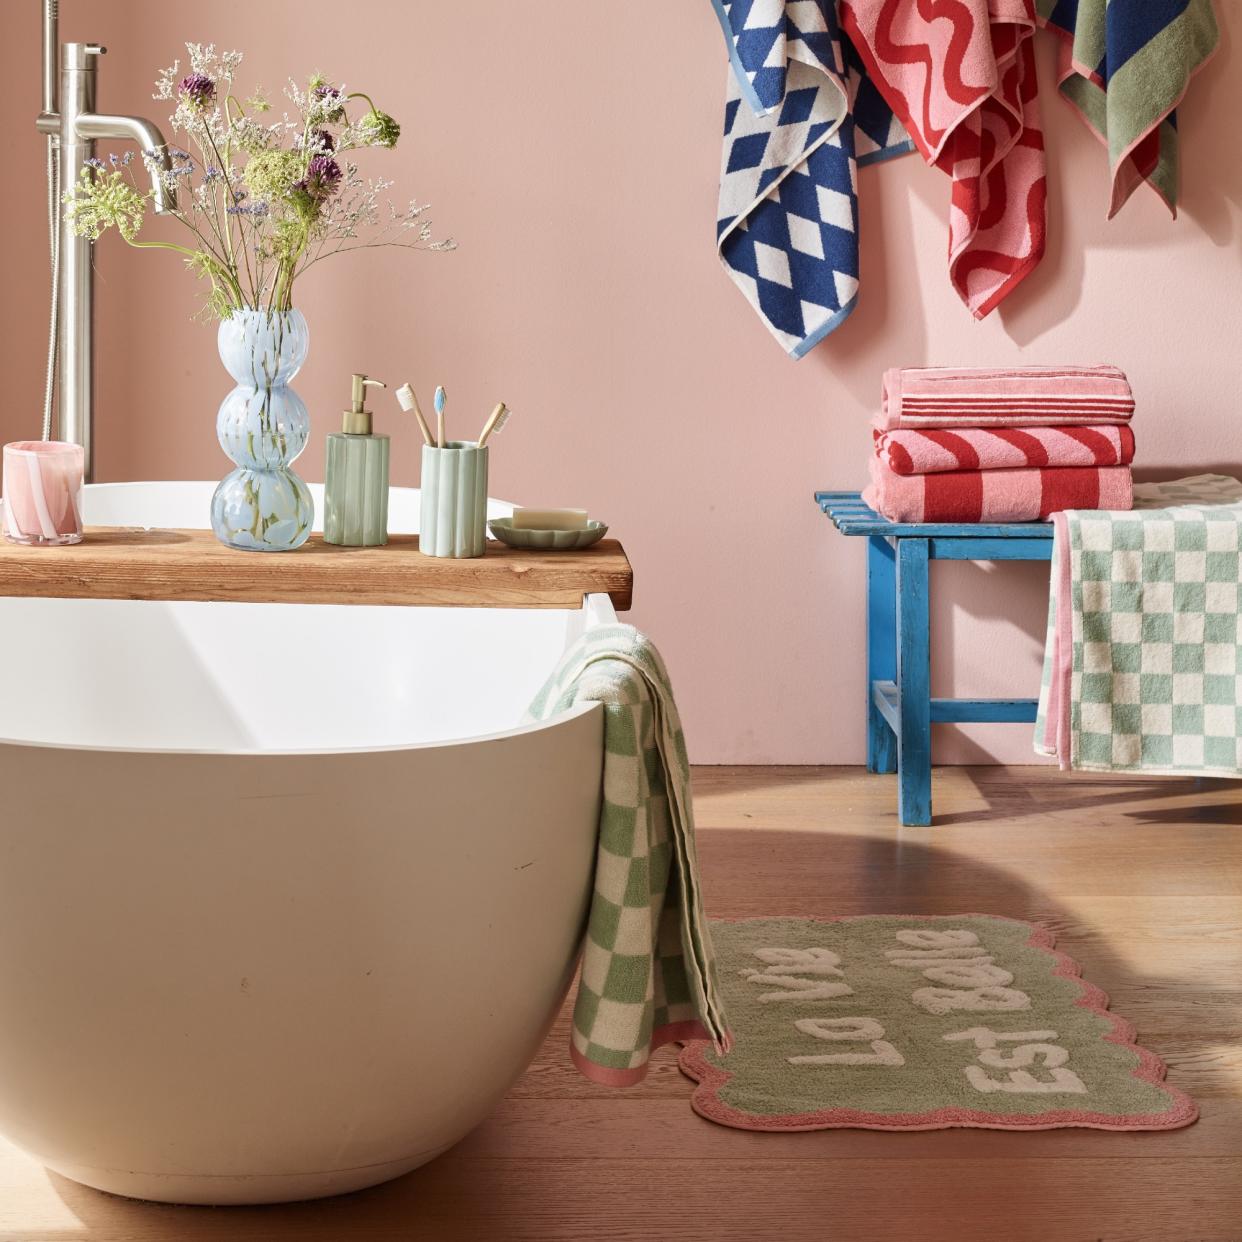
881 649
913 684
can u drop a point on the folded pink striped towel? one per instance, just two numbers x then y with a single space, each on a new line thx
996 495
923 397
1003 448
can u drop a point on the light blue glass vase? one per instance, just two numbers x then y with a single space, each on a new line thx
262 506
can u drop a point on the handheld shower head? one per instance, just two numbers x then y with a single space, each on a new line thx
51 39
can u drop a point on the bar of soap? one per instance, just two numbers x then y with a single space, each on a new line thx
549 519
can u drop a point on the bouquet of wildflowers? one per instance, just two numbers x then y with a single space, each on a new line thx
265 199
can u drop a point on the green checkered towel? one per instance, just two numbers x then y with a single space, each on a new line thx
1143 669
648 974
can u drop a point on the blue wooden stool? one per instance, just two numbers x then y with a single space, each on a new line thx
900 709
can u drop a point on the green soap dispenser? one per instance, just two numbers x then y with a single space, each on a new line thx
355 491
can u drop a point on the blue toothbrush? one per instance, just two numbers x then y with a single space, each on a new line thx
441 399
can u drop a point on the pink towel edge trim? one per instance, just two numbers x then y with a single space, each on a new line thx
1064 668
673 1032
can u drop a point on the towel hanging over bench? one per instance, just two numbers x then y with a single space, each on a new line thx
1143 666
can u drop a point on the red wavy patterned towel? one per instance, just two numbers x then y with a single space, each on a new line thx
996 495
960 75
1035 396
1003 448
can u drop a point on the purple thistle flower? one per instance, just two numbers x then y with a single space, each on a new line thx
323 176
197 89
322 139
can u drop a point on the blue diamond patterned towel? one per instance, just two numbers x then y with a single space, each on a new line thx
800 117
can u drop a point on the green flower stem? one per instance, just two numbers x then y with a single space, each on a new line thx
217 269
253 276
223 166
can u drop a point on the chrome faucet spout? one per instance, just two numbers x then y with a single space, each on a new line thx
151 144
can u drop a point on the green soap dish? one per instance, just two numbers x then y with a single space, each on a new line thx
546 540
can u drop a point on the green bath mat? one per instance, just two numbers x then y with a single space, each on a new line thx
904 1022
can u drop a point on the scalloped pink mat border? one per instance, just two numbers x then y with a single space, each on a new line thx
1183 1110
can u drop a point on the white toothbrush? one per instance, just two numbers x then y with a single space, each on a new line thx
441 399
499 416
409 403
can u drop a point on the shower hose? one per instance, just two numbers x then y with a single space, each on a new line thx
53 238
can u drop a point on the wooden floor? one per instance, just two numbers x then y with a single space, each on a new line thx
1142 880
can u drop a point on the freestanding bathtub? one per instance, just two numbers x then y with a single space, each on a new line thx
288 898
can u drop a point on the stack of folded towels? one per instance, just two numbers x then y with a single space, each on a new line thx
994 445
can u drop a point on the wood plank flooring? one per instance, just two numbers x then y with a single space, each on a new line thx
1142 880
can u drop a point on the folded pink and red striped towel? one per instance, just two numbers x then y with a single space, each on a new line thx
996 495
946 397
978 444
1003 448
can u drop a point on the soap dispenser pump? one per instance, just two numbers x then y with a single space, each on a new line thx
355 493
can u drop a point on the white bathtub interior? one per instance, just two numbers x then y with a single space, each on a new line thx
138 675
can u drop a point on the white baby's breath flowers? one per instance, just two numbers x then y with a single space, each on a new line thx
204 59
166 81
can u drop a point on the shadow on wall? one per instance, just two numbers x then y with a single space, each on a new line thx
502 1177
881 331
1207 125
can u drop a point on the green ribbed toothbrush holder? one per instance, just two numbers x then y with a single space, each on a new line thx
454 500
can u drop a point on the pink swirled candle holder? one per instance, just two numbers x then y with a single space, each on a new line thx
43 492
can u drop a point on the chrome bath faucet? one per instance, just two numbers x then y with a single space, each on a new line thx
71 124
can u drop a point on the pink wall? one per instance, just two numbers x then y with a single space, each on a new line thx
573 151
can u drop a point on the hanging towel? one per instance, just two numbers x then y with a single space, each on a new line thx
1003 448
1143 663
799 118
960 76
1125 66
648 974
995 495
940 397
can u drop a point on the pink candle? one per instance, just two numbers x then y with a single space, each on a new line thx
43 492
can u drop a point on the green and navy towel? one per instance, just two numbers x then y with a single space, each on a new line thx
648 973
1125 65
1143 670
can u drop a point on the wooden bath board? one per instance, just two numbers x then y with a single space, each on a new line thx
133 563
